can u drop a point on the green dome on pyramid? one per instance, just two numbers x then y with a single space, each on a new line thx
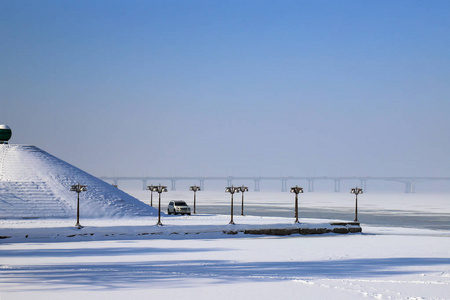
5 133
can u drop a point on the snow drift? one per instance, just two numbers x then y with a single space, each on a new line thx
36 184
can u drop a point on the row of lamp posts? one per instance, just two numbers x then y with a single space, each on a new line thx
78 188
296 189
195 189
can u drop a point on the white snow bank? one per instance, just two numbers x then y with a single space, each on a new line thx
35 184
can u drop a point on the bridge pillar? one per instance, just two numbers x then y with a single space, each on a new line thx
229 182
173 187
257 185
407 187
202 184
310 185
364 185
410 187
337 185
116 182
144 184
283 185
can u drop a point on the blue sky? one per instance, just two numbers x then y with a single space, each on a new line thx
230 87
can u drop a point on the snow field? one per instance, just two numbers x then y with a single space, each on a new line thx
380 263
358 266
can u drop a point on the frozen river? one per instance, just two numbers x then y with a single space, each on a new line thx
391 218
429 211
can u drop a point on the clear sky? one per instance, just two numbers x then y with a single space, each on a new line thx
230 87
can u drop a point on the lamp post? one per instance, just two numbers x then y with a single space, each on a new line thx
194 188
356 191
150 188
243 189
231 190
297 190
78 188
159 189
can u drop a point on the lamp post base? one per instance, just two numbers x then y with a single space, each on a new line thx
231 223
78 226
159 224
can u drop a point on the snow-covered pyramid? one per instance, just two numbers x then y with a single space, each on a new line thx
35 184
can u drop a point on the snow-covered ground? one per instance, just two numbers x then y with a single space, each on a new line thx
384 262
380 264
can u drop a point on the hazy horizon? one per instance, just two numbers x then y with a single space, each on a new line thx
242 88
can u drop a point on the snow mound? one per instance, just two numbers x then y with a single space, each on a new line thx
36 184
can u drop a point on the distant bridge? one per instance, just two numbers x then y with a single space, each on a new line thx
409 182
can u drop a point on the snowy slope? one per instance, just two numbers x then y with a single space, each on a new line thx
35 184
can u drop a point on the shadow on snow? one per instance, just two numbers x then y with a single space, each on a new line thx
94 276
